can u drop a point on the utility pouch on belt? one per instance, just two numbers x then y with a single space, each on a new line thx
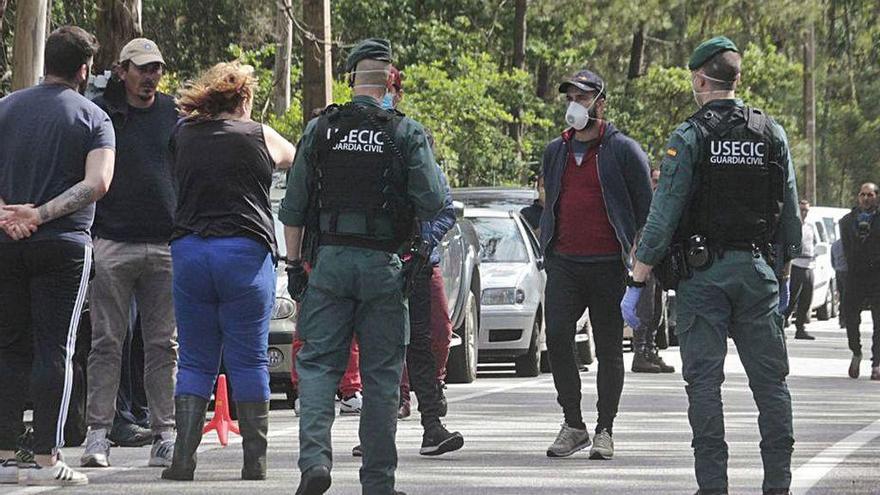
672 268
699 256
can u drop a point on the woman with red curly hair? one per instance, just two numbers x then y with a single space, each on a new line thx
223 253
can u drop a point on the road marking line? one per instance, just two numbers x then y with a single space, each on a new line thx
806 476
496 390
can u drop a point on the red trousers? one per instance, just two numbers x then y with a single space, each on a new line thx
351 380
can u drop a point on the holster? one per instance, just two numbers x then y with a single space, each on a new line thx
673 268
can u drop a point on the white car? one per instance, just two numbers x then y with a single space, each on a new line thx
823 221
512 298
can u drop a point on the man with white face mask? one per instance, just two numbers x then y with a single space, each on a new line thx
598 192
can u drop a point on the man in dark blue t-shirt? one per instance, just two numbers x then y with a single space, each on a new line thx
56 160
133 223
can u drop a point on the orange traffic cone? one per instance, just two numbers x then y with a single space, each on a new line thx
222 421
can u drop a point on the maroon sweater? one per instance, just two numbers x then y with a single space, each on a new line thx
583 228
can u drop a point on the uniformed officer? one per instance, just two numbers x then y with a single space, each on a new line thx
361 177
727 191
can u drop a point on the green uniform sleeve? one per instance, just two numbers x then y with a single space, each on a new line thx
789 231
671 197
296 198
424 187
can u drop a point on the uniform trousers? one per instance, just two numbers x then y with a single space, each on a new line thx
738 296
353 292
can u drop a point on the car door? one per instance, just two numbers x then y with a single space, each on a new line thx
451 265
822 270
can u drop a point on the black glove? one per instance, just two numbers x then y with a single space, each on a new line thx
297 279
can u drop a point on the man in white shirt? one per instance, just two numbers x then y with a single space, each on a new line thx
801 283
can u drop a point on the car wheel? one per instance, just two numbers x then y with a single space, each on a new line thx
824 311
462 365
529 364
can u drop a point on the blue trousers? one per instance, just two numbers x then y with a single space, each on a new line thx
224 291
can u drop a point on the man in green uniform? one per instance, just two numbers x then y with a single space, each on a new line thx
727 203
361 177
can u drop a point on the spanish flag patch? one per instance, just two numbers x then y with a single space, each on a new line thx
671 152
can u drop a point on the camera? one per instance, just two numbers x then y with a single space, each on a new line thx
863 230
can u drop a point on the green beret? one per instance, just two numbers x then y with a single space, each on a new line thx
370 48
709 49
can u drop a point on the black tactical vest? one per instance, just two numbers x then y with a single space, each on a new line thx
739 180
359 169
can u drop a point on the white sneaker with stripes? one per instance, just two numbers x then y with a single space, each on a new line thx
58 475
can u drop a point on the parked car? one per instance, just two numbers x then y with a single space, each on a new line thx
459 263
515 199
512 300
826 296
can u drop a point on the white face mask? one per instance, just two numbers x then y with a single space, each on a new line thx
698 93
577 115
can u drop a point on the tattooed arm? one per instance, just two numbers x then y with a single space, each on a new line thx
99 173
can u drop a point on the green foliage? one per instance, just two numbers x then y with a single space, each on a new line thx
467 107
458 55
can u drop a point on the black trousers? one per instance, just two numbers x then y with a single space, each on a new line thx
862 288
800 296
840 283
42 291
573 287
420 359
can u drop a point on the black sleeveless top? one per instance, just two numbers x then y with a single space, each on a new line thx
223 172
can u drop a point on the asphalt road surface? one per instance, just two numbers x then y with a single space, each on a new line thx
508 423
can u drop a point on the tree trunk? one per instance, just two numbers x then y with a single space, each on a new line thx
29 43
118 22
810 113
2 13
317 62
542 85
637 53
519 62
284 37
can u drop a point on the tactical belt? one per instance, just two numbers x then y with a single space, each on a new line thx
332 239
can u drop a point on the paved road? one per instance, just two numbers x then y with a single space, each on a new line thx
508 423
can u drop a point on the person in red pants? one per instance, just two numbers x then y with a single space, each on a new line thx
349 387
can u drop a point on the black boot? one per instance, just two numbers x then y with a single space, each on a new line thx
655 358
189 415
253 421
642 363
315 481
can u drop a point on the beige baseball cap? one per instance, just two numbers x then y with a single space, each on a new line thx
141 51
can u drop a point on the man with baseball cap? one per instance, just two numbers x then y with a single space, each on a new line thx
133 223
598 191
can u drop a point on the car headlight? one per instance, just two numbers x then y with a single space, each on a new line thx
492 297
284 308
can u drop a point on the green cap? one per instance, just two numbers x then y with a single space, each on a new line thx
709 49
372 48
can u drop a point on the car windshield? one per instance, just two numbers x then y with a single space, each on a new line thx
279 230
500 240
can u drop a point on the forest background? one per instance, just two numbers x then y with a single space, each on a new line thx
482 75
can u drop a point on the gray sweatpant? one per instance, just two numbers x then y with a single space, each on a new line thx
124 270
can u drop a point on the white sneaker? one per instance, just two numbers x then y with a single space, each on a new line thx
603 446
351 405
568 441
8 472
97 453
163 450
58 475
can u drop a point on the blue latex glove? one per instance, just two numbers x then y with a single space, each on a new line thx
783 296
628 306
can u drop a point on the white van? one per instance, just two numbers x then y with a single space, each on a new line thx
823 220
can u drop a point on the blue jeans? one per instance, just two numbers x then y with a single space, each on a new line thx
224 291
